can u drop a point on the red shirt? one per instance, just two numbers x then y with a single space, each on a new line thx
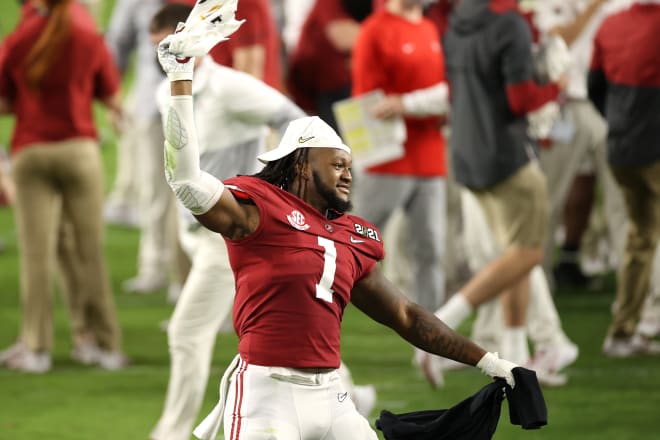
316 65
259 29
399 56
62 108
294 277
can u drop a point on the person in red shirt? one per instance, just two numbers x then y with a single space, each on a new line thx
53 67
298 260
624 83
398 51
319 71
256 48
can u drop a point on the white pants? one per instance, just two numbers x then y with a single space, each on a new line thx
158 238
543 324
275 403
204 304
125 188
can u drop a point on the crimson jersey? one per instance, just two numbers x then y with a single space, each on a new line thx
294 276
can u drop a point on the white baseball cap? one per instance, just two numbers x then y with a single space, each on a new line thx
307 132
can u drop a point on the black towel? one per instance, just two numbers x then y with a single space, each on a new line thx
474 418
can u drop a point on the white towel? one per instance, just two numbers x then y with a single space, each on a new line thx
209 427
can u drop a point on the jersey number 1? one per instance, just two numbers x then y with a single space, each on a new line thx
324 287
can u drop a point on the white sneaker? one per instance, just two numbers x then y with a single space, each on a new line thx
554 358
112 360
145 284
649 327
430 367
86 353
11 352
89 353
364 398
29 361
547 362
631 346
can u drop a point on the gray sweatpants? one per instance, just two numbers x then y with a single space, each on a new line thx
423 201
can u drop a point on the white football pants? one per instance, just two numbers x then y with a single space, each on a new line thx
276 403
204 304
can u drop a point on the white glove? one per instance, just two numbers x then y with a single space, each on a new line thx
541 120
491 365
209 23
177 69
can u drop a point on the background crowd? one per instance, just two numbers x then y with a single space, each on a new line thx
531 161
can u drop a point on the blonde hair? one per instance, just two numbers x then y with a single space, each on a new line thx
47 48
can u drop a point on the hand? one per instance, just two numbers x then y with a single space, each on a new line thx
177 69
116 119
541 120
491 365
389 107
562 82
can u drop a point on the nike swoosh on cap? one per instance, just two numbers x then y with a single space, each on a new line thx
302 140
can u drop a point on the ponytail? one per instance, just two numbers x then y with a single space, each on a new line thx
49 44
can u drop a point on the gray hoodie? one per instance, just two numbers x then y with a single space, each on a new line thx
488 48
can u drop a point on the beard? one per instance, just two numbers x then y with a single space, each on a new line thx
330 195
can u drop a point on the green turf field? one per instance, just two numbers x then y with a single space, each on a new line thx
605 399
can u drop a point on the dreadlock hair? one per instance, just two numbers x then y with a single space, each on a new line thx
282 172
50 42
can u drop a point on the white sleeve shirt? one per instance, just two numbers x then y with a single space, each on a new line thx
549 14
231 107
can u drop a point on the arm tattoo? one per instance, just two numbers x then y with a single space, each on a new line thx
432 335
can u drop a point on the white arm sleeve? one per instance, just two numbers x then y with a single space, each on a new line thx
432 100
197 190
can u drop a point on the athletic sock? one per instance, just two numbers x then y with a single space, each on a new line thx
454 312
514 346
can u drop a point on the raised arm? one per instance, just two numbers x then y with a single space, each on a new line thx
204 195
378 298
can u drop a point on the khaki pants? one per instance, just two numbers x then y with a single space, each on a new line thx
641 192
517 208
59 190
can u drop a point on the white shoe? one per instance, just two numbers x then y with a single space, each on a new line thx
18 357
649 328
89 353
554 358
11 352
364 398
549 361
112 360
631 346
430 367
144 284
86 353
